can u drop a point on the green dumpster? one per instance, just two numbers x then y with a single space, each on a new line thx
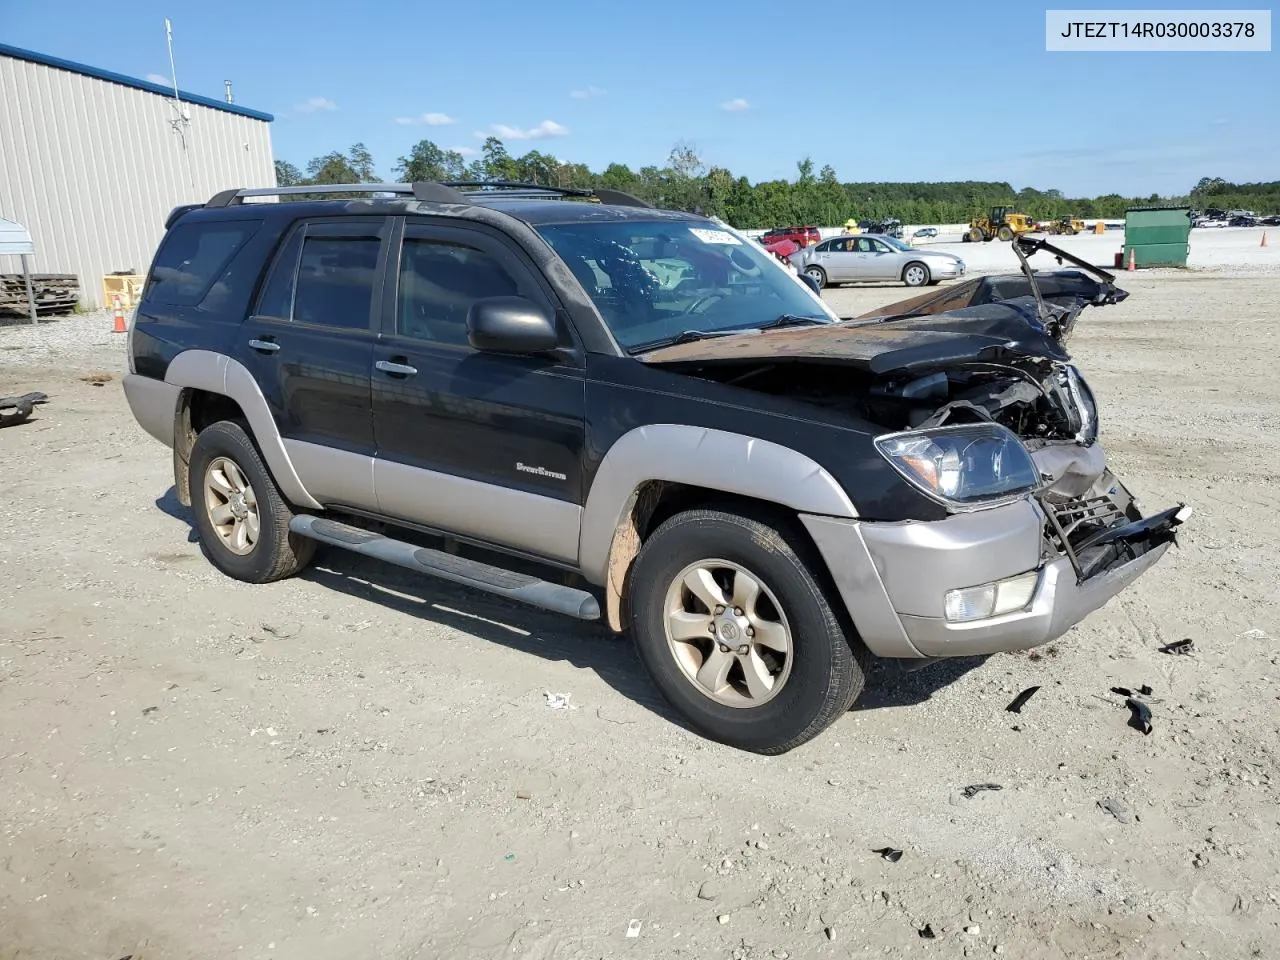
1157 236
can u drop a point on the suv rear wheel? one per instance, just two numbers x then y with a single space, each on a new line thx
242 519
739 634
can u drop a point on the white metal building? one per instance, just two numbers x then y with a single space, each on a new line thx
91 162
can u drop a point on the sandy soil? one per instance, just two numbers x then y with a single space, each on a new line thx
358 763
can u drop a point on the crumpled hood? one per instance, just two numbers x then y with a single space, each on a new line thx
987 319
1065 288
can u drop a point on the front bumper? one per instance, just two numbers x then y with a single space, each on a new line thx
945 269
893 577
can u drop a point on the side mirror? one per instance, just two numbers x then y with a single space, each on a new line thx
812 284
510 325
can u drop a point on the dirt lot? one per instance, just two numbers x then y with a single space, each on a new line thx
358 763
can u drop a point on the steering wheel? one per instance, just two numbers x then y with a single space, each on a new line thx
700 305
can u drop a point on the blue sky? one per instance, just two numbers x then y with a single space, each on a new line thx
881 91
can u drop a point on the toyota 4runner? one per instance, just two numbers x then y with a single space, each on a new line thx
651 419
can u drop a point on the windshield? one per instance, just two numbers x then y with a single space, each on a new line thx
897 244
655 280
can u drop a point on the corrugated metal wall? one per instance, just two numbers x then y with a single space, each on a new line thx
92 168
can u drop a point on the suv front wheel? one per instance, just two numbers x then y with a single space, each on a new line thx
739 634
242 519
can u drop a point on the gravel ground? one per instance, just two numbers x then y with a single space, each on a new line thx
360 763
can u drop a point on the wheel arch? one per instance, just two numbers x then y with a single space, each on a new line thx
902 274
203 374
655 468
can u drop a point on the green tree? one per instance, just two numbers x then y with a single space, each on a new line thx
495 161
287 175
426 161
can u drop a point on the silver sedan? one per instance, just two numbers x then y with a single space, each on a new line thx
870 257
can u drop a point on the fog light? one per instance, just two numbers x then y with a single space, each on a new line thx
991 599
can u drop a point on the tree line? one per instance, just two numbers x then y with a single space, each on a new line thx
685 182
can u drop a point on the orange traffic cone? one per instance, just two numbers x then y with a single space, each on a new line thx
1264 239
1132 263
119 324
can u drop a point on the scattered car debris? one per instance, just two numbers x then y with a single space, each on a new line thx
830 932
148 710
709 890
1143 690
1141 719
559 701
1021 700
926 932
13 410
1181 647
1118 809
1254 634
523 795
974 789
633 928
891 854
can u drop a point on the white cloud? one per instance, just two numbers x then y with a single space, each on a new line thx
465 151
587 93
737 105
316 104
547 128
160 78
429 119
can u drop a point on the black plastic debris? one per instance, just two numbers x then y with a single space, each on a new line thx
14 410
926 932
1141 718
974 789
1143 691
1182 647
889 853
1021 700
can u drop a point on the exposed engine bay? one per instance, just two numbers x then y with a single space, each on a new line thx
988 350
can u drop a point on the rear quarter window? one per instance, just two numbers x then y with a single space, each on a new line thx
191 257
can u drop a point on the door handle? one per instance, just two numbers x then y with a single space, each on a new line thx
264 346
395 369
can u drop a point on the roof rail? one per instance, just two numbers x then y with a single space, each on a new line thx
426 190
520 190
429 191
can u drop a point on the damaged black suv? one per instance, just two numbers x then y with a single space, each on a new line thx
580 402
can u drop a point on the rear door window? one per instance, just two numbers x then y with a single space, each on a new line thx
325 274
192 256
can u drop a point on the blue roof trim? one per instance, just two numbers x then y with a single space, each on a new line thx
31 56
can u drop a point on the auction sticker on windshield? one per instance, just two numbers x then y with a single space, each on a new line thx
715 236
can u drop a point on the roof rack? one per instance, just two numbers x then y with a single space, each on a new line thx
518 189
430 191
425 190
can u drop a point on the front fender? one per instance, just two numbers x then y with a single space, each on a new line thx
702 457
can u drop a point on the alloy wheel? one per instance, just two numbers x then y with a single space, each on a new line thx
728 634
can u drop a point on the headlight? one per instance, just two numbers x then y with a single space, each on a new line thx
1086 406
967 465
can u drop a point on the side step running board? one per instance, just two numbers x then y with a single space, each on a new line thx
471 573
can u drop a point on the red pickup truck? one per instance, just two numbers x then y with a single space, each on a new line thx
800 236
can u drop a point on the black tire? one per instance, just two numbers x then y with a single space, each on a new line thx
818 274
1005 233
828 662
978 235
277 553
915 278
